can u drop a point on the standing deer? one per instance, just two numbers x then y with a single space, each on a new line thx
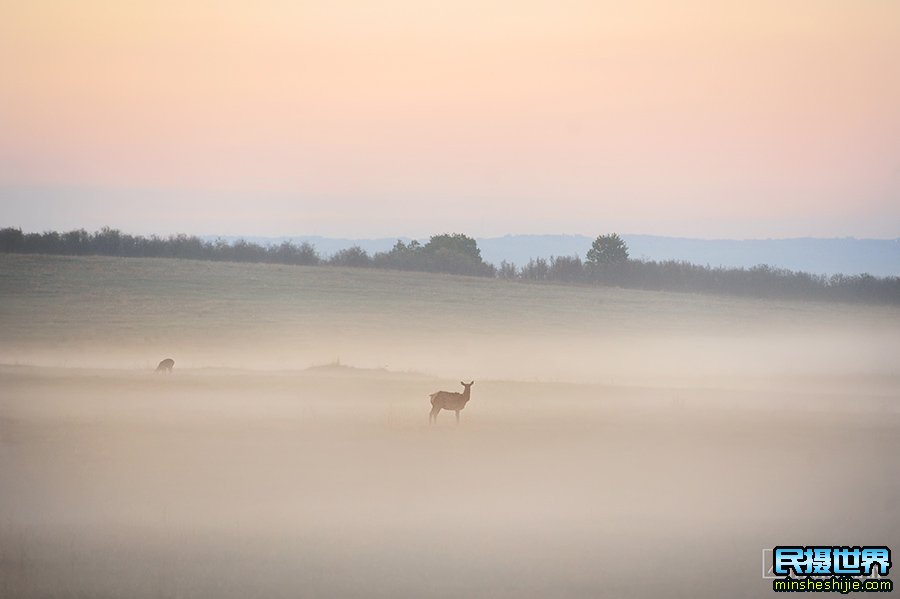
166 365
447 400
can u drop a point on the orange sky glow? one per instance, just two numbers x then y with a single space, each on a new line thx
410 117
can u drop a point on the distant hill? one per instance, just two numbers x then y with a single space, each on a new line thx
848 255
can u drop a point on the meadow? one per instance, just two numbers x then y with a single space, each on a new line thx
618 443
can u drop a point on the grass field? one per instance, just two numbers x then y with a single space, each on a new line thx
128 313
618 443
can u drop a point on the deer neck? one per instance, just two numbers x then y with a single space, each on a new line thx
465 394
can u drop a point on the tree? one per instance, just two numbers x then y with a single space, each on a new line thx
456 254
402 257
11 240
456 243
507 270
288 253
353 256
607 249
568 269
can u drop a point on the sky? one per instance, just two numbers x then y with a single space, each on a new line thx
700 118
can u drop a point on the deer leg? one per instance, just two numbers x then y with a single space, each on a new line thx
434 414
457 416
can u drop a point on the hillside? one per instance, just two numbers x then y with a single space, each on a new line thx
129 312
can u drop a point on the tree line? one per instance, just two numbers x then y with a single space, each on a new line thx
606 263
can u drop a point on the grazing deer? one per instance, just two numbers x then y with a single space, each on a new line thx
447 400
166 365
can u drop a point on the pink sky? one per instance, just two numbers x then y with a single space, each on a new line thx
409 117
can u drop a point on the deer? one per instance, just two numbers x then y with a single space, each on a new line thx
448 400
166 366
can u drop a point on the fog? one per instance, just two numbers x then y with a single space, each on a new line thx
653 445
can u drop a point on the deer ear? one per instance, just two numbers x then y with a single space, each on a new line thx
462 383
